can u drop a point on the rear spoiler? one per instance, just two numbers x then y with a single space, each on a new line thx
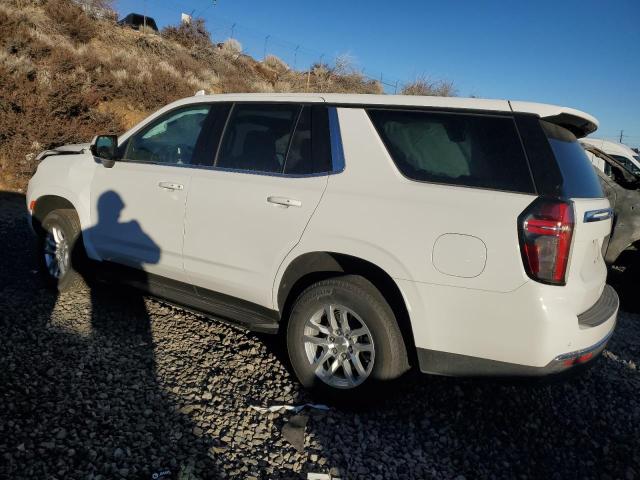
577 122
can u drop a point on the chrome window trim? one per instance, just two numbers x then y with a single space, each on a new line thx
229 170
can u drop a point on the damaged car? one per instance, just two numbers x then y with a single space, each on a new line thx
622 189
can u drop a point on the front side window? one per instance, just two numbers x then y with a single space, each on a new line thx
458 149
257 137
171 139
628 164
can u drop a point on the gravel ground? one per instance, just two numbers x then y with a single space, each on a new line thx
108 384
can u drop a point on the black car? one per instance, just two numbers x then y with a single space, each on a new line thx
136 21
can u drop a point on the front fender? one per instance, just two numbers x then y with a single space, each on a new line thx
68 177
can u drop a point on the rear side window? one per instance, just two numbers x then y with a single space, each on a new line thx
578 177
482 151
309 151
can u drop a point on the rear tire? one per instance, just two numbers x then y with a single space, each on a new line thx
343 338
60 250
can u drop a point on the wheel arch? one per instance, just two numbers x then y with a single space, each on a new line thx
47 204
311 267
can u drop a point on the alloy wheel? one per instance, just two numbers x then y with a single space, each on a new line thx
339 346
56 252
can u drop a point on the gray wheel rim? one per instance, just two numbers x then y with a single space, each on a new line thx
339 346
56 252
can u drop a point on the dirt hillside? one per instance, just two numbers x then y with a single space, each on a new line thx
65 76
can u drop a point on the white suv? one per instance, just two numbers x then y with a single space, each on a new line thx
462 236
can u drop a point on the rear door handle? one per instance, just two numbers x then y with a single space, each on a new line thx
287 202
171 185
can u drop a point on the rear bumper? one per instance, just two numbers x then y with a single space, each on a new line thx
527 332
456 365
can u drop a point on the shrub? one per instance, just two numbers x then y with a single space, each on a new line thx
146 30
189 35
70 20
231 46
275 63
425 86
344 65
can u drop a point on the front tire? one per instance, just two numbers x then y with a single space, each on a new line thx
59 249
343 338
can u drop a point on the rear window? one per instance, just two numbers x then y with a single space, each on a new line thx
578 178
482 151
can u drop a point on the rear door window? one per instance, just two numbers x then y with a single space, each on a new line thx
309 152
257 137
578 178
482 151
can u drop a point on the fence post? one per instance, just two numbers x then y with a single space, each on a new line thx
295 56
266 41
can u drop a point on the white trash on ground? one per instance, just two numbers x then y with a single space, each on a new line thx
291 408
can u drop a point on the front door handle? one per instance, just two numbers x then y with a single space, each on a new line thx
171 185
287 202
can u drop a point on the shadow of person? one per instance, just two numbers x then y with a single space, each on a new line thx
128 244
83 392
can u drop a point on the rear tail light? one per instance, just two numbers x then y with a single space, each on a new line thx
545 229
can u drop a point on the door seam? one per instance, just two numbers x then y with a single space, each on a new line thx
274 303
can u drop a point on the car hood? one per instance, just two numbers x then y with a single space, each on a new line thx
70 149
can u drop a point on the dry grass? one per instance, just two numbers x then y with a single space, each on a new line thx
275 63
71 20
189 35
231 46
426 86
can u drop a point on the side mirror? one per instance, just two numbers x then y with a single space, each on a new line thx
105 147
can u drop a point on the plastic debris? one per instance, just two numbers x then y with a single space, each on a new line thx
164 474
291 408
293 431
320 476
